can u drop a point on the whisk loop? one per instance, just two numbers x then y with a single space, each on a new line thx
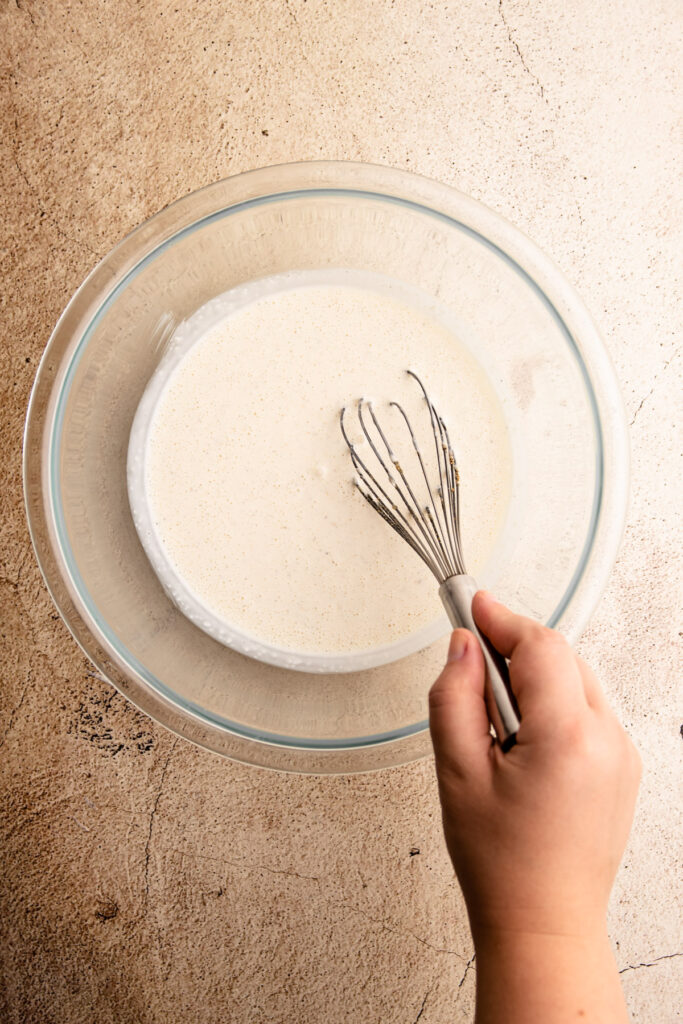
431 526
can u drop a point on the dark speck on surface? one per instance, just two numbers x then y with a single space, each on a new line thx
106 910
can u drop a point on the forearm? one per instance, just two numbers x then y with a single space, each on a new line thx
547 979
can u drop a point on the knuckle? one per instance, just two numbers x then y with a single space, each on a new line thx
440 694
537 633
451 774
574 735
542 651
552 638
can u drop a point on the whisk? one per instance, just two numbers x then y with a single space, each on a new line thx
431 527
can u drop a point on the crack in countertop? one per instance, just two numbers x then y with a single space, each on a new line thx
649 963
656 377
468 967
153 813
302 48
25 9
519 53
422 1007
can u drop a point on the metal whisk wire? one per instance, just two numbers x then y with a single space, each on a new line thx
431 528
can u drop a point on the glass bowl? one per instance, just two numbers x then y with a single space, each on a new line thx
531 332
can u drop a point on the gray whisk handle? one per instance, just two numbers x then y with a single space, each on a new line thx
456 594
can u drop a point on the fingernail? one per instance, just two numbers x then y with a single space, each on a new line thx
490 597
457 647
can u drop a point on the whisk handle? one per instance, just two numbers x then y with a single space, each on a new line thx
456 594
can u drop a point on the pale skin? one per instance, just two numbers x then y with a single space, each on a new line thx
535 835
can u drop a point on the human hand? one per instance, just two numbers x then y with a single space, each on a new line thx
536 834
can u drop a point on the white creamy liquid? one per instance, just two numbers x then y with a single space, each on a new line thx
249 482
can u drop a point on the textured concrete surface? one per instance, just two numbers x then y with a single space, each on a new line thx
144 880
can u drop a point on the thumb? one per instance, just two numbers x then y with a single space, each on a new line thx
458 721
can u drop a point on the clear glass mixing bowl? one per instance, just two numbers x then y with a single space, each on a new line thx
565 419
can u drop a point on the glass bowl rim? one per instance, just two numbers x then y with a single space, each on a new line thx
397 184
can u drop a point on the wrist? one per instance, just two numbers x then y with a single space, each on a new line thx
550 976
538 910
513 941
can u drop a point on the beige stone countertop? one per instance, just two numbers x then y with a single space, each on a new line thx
143 879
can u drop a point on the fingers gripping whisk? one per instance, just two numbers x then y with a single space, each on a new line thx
426 513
